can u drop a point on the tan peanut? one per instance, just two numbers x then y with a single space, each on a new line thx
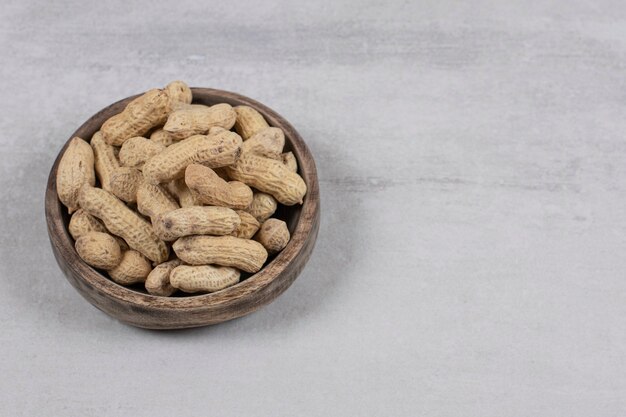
210 189
290 161
179 94
243 254
268 142
153 200
248 225
162 137
273 235
196 221
158 280
124 222
133 269
248 122
138 118
179 189
206 278
125 182
269 176
82 223
263 206
105 160
136 151
99 250
213 151
215 129
76 168
197 120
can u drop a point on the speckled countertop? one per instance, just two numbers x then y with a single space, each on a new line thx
472 163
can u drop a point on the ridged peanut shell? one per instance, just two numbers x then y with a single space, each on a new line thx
216 129
269 176
197 120
248 225
82 223
124 222
273 235
158 280
106 161
99 250
136 151
153 200
243 254
263 206
125 182
213 151
210 189
179 189
268 142
249 121
196 221
206 278
162 137
178 93
138 118
76 168
133 269
290 161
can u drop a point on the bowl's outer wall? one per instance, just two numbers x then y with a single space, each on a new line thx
147 311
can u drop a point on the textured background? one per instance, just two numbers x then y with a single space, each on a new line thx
471 258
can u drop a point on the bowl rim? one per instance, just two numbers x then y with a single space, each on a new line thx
306 224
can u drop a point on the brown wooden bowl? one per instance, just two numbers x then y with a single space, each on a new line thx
138 308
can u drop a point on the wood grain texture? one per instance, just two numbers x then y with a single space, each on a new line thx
147 311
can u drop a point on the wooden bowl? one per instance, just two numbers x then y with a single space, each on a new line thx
138 308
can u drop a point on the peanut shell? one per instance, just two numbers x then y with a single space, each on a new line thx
196 221
133 269
213 151
248 225
247 255
136 151
248 122
273 235
75 169
158 280
99 250
138 118
123 222
209 188
197 120
269 176
206 278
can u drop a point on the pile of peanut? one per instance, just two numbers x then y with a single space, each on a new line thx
166 195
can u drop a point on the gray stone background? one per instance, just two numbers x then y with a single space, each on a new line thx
472 167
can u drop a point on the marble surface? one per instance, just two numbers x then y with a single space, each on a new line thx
471 257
